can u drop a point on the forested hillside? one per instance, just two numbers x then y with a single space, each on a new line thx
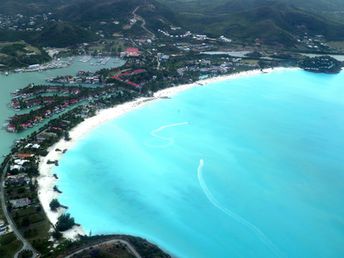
271 21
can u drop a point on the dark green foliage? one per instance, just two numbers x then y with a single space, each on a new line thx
57 234
61 34
17 55
143 247
65 222
54 204
12 49
321 64
5 240
41 245
25 222
272 21
26 254
66 136
8 245
30 233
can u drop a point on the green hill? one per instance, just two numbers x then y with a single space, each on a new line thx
55 34
278 22
272 21
18 54
60 34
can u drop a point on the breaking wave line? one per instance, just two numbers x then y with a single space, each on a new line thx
169 140
266 241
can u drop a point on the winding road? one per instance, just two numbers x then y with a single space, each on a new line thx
143 22
112 241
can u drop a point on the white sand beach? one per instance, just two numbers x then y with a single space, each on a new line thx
47 181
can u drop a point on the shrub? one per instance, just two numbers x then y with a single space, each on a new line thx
65 222
54 204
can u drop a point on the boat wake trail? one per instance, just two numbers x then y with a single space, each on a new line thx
169 140
262 237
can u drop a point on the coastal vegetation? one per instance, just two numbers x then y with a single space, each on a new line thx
142 246
321 64
21 188
9 245
54 205
26 254
65 222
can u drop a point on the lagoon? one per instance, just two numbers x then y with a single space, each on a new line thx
16 81
251 167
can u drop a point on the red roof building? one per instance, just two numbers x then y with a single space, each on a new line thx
132 52
24 155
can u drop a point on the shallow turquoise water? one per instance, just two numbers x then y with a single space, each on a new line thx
251 167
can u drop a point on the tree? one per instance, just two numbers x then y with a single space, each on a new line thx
25 222
54 204
66 136
57 234
65 222
26 254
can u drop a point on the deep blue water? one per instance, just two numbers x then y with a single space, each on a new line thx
252 167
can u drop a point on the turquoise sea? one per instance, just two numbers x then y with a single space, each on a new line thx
251 167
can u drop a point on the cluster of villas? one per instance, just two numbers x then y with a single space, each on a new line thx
22 22
20 167
21 170
189 34
81 78
44 101
210 68
34 90
316 42
22 122
50 100
19 104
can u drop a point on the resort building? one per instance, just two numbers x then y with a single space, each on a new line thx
19 203
132 52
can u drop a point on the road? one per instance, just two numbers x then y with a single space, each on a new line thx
143 22
25 244
112 241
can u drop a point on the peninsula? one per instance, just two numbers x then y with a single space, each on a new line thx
321 64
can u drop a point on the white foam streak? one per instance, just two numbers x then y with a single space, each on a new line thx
169 140
233 215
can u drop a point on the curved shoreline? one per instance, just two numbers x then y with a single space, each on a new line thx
47 181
